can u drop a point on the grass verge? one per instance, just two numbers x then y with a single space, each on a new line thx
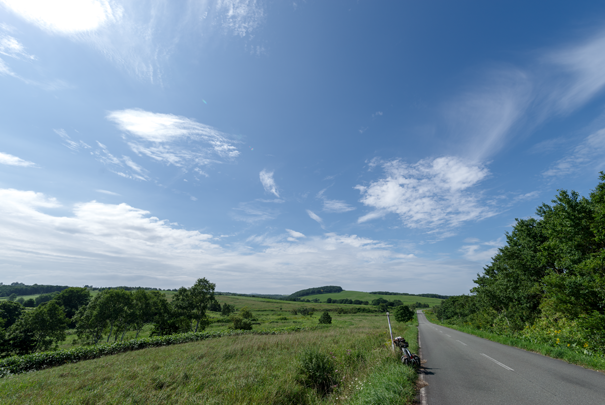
570 356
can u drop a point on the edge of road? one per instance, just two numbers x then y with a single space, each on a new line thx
422 391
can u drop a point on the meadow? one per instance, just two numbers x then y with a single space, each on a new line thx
364 296
248 369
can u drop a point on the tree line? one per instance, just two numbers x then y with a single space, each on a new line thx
108 315
547 284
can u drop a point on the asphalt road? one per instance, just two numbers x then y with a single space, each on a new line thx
465 369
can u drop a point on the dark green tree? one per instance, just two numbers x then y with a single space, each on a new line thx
72 299
10 312
325 318
403 313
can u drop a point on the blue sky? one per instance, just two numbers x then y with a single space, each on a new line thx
271 146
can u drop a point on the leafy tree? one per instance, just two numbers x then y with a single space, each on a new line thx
12 297
39 329
20 300
42 298
215 307
145 308
29 303
246 313
325 318
202 295
403 313
10 312
227 309
241 323
72 299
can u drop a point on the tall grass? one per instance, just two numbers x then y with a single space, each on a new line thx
248 369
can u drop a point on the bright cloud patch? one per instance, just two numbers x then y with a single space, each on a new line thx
64 16
172 139
428 194
266 178
11 160
240 16
119 244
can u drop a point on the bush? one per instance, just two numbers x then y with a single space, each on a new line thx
241 323
317 370
325 318
403 314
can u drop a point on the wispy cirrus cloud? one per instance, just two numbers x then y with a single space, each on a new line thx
11 160
587 155
69 143
123 166
172 139
9 46
107 192
481 252
315 218
432 193
579 73
266 178
241 17
485 116
334 206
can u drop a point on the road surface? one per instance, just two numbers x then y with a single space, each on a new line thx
465 369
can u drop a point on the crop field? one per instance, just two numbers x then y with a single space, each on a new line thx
249 369
364 296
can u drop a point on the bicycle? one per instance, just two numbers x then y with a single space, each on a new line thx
408 358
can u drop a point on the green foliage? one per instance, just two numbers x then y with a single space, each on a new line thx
241 323
30 303
403 314
391 384
38 330
317 290
227 309
547 284
246 313
317 370
38 361
22 289
10 312
72 299
42 298
12 297
325 318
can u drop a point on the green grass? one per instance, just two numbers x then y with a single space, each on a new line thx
562 353
364 296
231 370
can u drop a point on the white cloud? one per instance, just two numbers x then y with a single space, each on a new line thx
11 160
9 46
428 194
377 114
241 17
295 234
107 192
253 212
65 16
478 251
119 166
117 244
266 178
75 146
315 217
588 155
336 206
583 68
172 139
484 118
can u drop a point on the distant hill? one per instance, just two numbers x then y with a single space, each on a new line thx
22 289
315 291
441 297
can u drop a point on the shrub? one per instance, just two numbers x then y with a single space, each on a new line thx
241 323
325 318
317 370
403 313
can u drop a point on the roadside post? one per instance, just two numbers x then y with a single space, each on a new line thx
390 331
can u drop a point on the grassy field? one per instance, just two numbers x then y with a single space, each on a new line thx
238 369
364 296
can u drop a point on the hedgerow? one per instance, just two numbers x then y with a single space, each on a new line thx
42 360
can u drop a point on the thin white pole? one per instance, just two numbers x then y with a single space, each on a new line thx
390 331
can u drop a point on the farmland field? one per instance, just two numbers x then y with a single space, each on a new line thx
237 369
364 296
